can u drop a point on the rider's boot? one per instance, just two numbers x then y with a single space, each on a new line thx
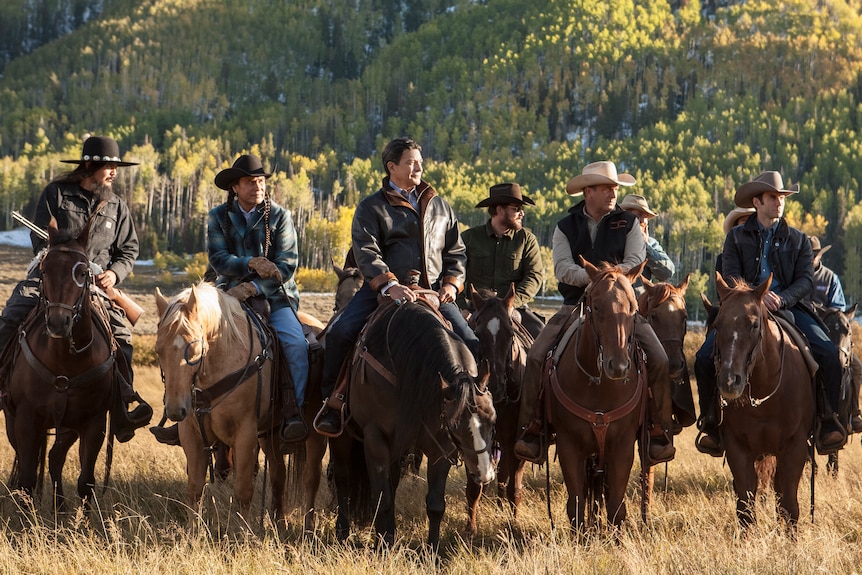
529 445
127 421
293 426
856 422
661 447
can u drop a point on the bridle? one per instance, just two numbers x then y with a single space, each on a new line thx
588 319
76 309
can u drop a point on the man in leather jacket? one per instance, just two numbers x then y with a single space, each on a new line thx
403 229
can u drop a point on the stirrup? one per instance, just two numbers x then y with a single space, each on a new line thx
826 449
340 414
715 452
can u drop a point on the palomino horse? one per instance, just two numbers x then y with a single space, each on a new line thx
63 376
768 393
217 371
414 384
504 343
596 397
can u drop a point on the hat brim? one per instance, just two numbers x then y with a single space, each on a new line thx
748 190
500 200
821 251
225 178
119 164
576 185
733 216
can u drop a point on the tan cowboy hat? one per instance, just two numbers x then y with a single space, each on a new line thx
734 216
245 165
100 149
766 182
637 202
598 173
509 193
815 246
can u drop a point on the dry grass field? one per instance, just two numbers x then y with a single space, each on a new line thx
143 525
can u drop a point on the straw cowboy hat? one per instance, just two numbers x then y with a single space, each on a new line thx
815 247
734 216
765 182
100 149
509 193
637 202
245 165
598 173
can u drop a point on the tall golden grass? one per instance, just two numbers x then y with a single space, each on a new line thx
142 524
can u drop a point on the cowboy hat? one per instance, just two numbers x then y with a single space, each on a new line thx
766 182
100 149
637 202
245 165
595 174
734 216
815 246
509 193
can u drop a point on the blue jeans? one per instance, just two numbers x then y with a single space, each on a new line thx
294 348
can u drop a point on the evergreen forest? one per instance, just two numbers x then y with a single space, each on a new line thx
692 97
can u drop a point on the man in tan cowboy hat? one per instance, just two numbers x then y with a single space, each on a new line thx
501 252
599 230
766 245
73 199
659 266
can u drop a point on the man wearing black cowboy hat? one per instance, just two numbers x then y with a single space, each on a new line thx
252 248
501 252
72 199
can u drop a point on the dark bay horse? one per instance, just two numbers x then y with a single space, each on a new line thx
414 383
349 281
596 397
63 376
504 343
768 398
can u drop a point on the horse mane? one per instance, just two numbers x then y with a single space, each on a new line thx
217 313
661 293
421 350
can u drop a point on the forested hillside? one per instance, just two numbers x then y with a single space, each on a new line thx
692 98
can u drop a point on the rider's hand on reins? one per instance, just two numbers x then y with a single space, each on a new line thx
401 294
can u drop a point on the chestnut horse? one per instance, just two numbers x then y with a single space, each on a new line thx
414 383
504 343
63 375
768 397
596 397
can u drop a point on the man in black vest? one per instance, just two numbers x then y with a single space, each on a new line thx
598 230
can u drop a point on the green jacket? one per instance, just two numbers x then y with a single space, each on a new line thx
495 263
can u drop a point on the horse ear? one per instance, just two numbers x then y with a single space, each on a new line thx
633 273
192 304
647 284
449 392
484 375
851 313
510 296
592 270
53 230
761 290
339 272
161 302
476 298
721 286
711 310
683 285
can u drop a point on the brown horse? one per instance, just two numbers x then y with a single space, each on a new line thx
504 343
217 374
349 281
768 394
596 397
415 384
63 376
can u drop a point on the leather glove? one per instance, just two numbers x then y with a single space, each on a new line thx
243 291
265 269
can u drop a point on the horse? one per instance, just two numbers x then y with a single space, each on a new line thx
768 398
217 368
504 343
349 281
839 327
63 373
415 384
596 397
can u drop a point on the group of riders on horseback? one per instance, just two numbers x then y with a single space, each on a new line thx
406 240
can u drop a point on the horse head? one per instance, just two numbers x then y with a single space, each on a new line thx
663 306
349 282
740 325
468 410
66 280
610 316
839 327
492 323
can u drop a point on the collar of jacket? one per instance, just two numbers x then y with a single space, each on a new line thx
510 233
580 209
394 197
781 231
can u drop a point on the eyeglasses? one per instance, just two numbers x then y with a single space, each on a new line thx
518 209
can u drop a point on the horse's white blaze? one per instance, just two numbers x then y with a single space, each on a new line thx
734 337
485 466
179 342
493 326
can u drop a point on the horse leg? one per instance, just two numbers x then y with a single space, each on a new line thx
29 435
89 446
744 485
315 449
619 465
379 459
575 477
63 442
473 492
245 458
196 464
223 463
277 475
788 472
435 500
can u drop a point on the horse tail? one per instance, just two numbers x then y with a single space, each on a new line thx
595 491
42 457
295 471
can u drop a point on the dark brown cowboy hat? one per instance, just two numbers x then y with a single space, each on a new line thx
509 193
245 165
100 149
766 182
598 173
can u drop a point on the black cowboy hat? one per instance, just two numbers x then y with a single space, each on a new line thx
100 149
245 165
509 193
